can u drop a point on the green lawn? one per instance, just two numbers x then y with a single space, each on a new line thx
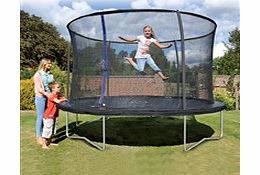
136 146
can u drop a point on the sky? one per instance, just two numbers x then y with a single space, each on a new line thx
226 13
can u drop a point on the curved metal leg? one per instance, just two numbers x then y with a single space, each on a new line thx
77 120
67 124
75 136
186 149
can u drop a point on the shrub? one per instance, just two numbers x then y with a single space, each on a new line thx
27 94
26 73
225 96
59 76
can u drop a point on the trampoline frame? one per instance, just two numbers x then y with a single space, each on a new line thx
186 147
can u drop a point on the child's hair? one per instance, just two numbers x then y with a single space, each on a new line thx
43 63
152 32
52 85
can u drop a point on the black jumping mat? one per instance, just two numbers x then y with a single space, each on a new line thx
141 106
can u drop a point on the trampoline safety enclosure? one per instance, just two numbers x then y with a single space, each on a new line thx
104 83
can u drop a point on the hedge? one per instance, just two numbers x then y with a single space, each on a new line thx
27 94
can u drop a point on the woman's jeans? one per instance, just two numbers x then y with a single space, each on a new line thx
40 104
141 63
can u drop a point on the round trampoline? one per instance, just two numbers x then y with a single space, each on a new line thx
141 105
104 83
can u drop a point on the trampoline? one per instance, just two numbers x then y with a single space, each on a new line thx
141 105
103 83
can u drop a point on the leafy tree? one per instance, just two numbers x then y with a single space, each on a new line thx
39 39
229 64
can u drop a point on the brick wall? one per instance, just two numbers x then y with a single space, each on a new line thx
144 85
123 85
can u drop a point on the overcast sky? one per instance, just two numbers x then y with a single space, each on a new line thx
226 13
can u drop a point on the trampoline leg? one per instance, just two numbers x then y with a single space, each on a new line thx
75 136
77 120
186 149
104 132
184 131
221 125
67 124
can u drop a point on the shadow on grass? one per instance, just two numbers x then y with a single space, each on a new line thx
61 132
143 131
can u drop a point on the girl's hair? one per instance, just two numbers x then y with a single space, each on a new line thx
152 32
43 63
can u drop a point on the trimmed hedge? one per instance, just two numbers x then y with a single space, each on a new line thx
27 94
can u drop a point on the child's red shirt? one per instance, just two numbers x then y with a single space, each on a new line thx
52 111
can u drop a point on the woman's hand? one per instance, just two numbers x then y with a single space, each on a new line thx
48 95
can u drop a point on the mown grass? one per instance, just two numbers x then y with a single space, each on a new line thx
136 146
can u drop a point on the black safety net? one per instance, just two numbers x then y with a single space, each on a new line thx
103 80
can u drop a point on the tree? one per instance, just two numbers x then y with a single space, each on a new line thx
39 39
229 64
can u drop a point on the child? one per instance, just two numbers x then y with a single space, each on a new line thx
51 113
143 55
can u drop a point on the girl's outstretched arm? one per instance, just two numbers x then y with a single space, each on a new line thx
127 39
161 46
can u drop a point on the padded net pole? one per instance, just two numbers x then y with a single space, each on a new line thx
74 77
178 68
68 72
211 66
105 61
183 60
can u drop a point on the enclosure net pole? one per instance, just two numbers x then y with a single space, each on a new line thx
68 72
178 68
183 59
105 60
75 76
211 65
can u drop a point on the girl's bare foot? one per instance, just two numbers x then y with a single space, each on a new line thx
162 76
165 78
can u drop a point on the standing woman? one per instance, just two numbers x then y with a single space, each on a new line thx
41 80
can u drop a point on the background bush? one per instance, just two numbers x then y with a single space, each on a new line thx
60 77
226 97
27 94
27 73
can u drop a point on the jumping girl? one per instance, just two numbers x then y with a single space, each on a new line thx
142 55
